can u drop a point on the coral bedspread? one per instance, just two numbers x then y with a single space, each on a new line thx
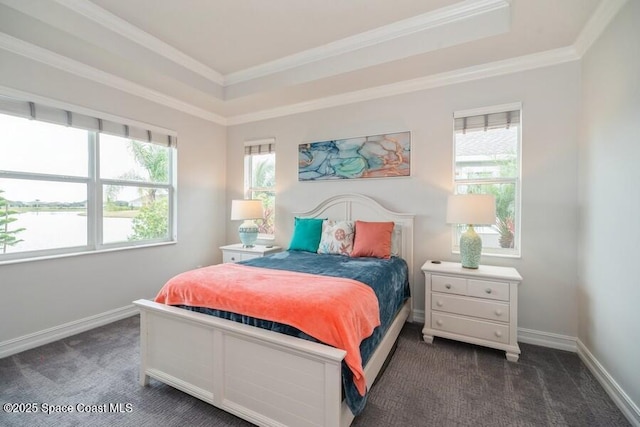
337 311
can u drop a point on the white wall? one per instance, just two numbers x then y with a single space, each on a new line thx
609 291
38 295
550 98
592 294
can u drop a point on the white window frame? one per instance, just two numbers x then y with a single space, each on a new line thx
95 185
169 186
516 251
267 144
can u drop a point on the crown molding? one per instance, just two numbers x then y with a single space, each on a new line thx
79 69
592 30
463 10
136 35
457 12
483 71
523 63
596 25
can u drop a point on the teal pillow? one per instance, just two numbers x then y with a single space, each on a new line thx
306 234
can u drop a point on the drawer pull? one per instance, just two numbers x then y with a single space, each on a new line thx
439 303
498 312
233 258
498 334
439 322
448 286
488 290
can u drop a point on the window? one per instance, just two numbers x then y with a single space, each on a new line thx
487 161
260 181
73 183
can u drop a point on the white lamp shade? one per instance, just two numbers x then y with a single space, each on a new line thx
246 209
471 209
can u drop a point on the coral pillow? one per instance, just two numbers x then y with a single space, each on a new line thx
373 239
337 237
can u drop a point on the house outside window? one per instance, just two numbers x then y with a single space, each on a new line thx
73 183
260 181
487 159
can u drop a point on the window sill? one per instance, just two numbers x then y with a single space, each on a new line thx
494 255
81 253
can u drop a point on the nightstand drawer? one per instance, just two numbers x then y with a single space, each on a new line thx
237 252
449 285
471 307
471 327
237 256
488 289
230 257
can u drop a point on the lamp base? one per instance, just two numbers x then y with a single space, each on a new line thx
470 248
248 232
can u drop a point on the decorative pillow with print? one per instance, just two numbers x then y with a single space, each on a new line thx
337 237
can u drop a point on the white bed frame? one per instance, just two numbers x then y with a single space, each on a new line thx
264 377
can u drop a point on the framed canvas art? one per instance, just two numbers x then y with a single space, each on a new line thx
376 156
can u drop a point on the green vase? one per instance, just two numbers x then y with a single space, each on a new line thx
470 248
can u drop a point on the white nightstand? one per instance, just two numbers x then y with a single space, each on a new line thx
478 306
235 252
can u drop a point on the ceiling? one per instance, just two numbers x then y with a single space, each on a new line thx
235 61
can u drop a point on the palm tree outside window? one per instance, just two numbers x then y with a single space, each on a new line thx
260 182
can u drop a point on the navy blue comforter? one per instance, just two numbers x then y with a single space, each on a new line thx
388 279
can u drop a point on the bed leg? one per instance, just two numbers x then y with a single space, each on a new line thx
144 379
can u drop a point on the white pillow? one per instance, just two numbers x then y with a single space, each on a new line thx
337 237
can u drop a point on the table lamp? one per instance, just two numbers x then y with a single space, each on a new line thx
471 209
247 210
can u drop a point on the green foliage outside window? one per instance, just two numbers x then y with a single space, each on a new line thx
7 237
152 221
263 181
505 194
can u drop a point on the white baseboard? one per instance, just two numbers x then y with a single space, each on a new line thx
547 339
417 316
36 339
528 336
617 394
562 342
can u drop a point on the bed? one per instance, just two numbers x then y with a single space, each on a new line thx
266 377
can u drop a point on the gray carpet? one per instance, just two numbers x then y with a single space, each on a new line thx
444 384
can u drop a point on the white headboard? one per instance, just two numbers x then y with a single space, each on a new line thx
353 207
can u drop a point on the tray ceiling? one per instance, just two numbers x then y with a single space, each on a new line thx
233 61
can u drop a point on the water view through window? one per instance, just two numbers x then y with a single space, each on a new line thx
50 193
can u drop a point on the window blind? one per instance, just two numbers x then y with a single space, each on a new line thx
262 146
487 121
45 113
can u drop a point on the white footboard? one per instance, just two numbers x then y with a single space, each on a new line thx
264 377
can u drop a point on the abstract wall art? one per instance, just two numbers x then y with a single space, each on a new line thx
377 156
